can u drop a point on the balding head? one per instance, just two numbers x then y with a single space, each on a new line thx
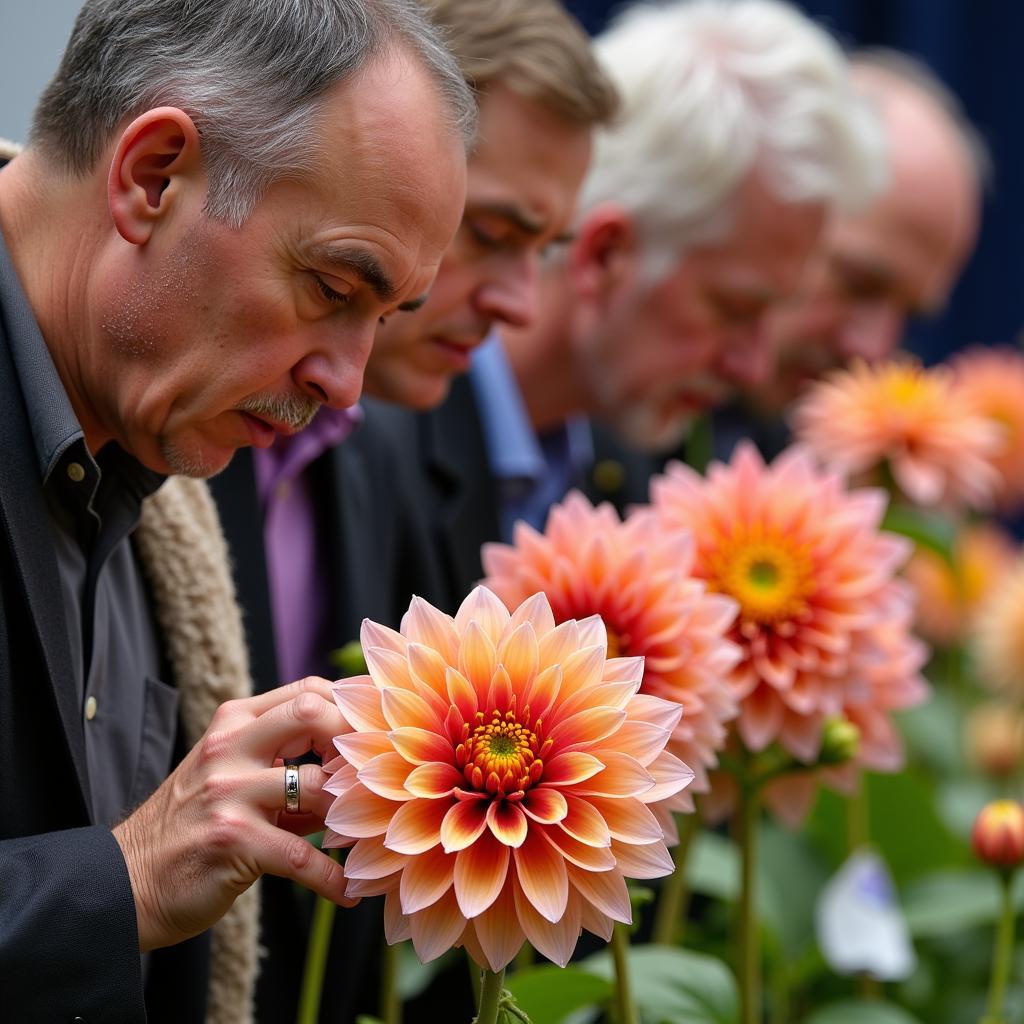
901 256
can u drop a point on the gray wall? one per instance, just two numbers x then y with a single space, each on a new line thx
32 38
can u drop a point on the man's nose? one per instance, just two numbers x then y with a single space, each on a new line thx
871 332
333 373
510 297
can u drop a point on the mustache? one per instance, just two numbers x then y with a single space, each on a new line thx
295 411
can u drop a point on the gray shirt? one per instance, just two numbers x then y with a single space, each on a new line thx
128 713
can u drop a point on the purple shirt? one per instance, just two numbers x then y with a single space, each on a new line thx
295 569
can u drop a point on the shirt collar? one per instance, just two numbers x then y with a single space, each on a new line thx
52 421
515 449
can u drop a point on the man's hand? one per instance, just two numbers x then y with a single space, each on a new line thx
218 822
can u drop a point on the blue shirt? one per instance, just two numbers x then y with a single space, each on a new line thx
532 471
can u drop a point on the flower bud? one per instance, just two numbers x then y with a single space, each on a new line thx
840 741
998 833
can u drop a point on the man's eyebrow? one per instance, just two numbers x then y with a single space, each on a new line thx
363 264
413 304
518 216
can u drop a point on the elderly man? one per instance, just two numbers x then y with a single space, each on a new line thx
217 205
737 134
320 526
900 257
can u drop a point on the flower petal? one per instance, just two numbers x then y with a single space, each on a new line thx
422 746
484 609
556 940
477 659
628 820
622 776
606 890
545 805
385 775
542 875
359 702
370 858
480 871
590 858
497 929
569 768
590 726
437 928
433 781
507 822
406 709
426 878
462 694
650 861
463 824
360 814
584 822
359 747
425 624
416 826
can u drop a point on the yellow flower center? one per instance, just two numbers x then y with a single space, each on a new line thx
501 755
770 575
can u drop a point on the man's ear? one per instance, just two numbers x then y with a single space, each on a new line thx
604 252
156 160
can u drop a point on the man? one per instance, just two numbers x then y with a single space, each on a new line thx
217 205
320 526
737 134
899 258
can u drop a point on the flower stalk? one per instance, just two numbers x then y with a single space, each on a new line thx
390 1003
1002 957
749 949
317 948
491 983
668 921
625 1010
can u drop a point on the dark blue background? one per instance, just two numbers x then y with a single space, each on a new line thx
977 48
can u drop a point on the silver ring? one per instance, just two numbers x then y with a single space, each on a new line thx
291 788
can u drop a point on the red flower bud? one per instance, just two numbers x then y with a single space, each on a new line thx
998 833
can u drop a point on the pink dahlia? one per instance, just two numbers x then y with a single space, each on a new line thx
814 579
500 778
639 579
991 382
937 448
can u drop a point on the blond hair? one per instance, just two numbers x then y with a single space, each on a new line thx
534 47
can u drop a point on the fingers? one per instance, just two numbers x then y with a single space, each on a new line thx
263 702
306 722
288 856
265 789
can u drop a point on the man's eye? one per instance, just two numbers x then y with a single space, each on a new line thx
328 292
488 238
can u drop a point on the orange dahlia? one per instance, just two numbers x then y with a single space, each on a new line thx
498 779
998 633
639 579
823 625
951 591
915 420
991 381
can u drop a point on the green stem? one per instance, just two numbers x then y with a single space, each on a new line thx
668 919
1002 957
749 952
317 948
390 1003
625 1011
490 995
857 822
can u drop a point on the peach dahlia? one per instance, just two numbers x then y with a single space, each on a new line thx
498 779
638 578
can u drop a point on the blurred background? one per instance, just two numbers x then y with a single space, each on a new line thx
974 46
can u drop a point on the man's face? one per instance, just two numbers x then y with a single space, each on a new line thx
215 337
875 270
659 356
522 184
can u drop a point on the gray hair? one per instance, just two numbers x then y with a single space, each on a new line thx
252 74
711 90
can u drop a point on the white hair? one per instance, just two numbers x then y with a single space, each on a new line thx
712 90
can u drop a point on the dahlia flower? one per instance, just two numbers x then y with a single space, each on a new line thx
638 579
500 777
937 448
823 625
991 381
998 633
951 591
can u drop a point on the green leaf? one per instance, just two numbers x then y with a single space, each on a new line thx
365 1018
413 976
949 902
860 1012
713 866
925 527
676 985
549 994
349 659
